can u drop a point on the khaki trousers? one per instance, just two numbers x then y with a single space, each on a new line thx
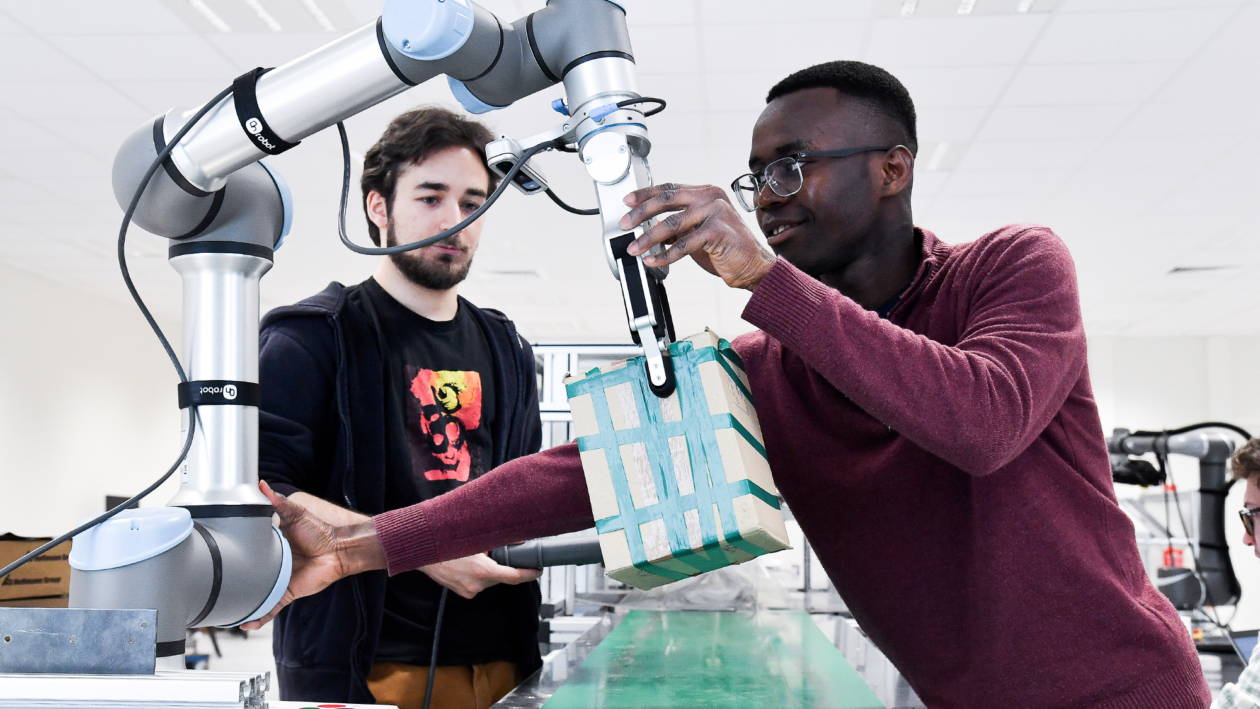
456 687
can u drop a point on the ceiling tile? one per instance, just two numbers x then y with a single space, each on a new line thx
798 12
648 13
29 58
1003 182
1026 154
684 54
68 99
1212 80
1085 84
26 137
684 93
158 97
247 52
1127 36
148 57
100 138
8 26
1237 39
1054 122
951 87
954 41
1222 119
75 17
1135 152
744 91
740 47
937 123
1097 6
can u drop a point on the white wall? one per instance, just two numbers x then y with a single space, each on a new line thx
87 405
1154 383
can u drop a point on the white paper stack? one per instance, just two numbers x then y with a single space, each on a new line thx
192 689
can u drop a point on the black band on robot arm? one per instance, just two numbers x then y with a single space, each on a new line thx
245 97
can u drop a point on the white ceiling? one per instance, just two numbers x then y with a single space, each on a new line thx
1128 126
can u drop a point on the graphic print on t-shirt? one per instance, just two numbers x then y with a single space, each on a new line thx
442 406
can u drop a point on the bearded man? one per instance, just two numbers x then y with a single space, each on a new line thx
387 393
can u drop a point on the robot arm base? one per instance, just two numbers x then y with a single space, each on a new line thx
219 571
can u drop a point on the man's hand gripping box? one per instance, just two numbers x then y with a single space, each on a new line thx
679 486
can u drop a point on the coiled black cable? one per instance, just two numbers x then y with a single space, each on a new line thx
573 210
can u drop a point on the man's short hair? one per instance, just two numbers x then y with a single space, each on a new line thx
862 81
412 138
1246 462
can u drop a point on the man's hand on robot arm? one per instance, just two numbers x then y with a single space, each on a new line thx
703 224
473 574
322 553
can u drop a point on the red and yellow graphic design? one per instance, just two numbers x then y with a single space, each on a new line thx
443 407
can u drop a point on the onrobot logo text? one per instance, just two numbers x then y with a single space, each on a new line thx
228 391
254 126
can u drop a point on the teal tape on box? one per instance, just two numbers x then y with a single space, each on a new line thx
679 486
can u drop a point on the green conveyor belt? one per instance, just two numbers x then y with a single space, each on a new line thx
700 659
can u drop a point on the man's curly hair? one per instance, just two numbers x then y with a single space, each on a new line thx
1246 462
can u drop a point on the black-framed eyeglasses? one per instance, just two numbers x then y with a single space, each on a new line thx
784 175
1249 519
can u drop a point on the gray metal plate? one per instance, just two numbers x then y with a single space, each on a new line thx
77 641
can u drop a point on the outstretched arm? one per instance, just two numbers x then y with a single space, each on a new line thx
535 496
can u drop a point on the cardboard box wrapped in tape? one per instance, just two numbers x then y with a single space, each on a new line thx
679 486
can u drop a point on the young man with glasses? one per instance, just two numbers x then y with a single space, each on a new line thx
927 415
1245 466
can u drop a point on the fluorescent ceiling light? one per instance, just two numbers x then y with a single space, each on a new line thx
938 156
264 15
1199 269
320 18
908 7
1025 5
966 6
210 15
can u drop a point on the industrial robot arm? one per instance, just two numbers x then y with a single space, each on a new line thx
1213 581
226 212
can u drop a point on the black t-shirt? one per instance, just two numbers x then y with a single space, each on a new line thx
439 416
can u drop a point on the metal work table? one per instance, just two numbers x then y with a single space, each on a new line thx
697 659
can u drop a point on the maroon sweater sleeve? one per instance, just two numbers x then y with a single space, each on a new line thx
535 496
978 403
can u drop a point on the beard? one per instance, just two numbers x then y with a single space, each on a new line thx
436 272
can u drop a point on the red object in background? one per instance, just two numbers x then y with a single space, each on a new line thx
1174 558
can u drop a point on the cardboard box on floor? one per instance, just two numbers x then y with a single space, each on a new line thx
680 485
44 576
46 602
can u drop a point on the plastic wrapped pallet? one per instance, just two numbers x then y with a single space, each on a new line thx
680 485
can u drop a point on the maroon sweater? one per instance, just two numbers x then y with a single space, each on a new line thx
947 465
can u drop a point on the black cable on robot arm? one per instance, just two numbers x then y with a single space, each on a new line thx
573 210
402 248
644 99
157 330
1195 427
